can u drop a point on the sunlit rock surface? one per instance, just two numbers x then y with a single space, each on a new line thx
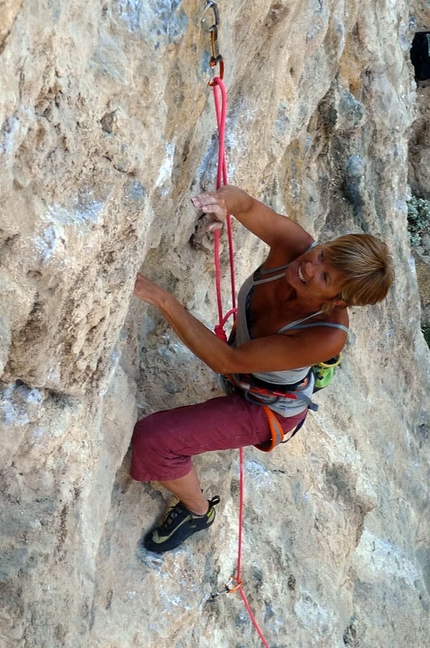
107 130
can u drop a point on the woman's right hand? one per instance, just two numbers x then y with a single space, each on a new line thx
148 291
213 204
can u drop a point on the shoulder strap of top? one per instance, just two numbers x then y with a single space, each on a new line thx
296 323
304 326
257 282
278 269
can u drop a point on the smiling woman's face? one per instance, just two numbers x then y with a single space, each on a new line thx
311 276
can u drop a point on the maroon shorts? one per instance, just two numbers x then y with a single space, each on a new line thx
163 443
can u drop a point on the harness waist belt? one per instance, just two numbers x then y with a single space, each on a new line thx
249 381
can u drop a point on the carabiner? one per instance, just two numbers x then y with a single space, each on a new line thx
228 589
231 590
214 7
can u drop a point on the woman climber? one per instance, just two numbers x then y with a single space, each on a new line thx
292 314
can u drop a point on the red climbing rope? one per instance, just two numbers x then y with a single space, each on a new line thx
221 111
239 559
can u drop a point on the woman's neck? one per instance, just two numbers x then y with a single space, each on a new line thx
296 302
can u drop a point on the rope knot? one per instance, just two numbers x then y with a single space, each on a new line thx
220 333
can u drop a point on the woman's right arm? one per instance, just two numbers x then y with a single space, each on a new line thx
271 353
272 228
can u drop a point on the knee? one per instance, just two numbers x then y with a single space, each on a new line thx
146 429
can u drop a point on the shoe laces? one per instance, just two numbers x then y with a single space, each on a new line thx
172 515
179 509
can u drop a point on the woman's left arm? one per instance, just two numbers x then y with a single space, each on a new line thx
276 230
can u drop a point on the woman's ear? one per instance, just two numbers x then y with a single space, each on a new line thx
340 303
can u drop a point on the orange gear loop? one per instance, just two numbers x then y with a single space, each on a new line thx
216 58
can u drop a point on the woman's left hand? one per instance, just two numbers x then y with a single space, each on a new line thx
214 205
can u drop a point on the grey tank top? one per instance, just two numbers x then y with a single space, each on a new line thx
283 405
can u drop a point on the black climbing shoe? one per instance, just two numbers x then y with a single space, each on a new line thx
177 525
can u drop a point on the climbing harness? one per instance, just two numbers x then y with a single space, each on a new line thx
261 392
258 391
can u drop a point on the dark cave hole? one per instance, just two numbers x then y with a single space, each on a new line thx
420 55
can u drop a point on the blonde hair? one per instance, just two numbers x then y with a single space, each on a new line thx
366 264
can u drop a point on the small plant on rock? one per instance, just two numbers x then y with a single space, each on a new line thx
418 219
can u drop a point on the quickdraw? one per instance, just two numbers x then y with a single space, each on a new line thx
216 58
228 588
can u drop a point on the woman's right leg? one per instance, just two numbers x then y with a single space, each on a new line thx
163 444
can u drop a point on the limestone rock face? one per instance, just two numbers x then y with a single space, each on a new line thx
419 167
107 130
